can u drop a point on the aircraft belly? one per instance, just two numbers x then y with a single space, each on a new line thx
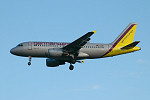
94 52
85 53
36 53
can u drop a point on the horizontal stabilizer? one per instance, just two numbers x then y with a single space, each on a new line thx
130 46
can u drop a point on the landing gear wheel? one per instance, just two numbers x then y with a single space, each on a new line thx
29 63
71 67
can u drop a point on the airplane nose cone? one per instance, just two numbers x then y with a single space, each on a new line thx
12 51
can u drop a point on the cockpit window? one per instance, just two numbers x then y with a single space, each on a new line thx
19 45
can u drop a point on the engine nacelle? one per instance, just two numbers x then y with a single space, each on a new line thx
54 52
54 63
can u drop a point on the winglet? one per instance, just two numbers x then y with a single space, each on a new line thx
83 61
95 31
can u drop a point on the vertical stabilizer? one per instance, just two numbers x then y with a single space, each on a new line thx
124 42
126 37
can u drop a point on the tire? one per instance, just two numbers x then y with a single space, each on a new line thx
71 67
29 63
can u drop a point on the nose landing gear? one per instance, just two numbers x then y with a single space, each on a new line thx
29 63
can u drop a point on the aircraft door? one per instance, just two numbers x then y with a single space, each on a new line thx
30 46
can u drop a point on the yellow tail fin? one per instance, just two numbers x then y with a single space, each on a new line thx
126 37
124 42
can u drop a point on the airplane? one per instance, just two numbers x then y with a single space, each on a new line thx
58 53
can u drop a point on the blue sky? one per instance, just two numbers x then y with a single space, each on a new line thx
124 77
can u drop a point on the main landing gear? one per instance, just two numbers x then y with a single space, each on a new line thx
29 63
73 61
71 67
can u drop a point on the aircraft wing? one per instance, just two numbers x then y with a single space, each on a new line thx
77 44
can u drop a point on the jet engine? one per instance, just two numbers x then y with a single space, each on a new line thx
54 52
54 63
